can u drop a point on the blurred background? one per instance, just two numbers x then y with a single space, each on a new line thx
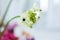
48 28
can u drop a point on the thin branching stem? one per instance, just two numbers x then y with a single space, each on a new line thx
5 27
5 13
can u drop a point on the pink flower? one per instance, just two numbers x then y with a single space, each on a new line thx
9 36
9 33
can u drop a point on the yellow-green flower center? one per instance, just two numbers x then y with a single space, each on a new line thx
32 16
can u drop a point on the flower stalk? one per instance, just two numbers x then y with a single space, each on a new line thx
5 13
5 27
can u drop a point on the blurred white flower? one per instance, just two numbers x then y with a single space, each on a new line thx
31 16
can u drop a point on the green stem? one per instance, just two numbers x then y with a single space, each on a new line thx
8 23
5 12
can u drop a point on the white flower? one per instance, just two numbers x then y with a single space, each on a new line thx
30 17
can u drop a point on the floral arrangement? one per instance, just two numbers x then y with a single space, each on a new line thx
28 18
